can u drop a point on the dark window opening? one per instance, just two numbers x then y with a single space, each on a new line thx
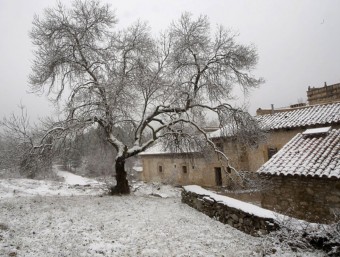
271 152
184 169
160 168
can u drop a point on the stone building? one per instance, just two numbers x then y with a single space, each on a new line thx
319 95
306 171
195 168
326 94
283 126
182 168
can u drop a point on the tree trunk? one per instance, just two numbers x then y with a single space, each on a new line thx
122 186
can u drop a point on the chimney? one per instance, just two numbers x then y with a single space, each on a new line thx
272 108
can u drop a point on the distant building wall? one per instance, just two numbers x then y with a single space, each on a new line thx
324 94
181 170
204 170
273 110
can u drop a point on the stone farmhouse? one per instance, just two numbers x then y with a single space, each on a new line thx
281 126
181 168
307 172
193 168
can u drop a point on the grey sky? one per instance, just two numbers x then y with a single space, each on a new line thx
298 43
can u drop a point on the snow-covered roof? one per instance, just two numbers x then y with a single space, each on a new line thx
155 149
311 155
315 115
158 149
315 131
226 131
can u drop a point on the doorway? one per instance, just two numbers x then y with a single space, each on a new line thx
218 176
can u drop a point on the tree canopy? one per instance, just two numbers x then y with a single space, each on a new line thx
152 87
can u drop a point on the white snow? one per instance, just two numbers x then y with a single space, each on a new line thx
225 131
317 131
158 148
73 179
138 168
60 219
155 189
155 149
73 185
29 187
231 202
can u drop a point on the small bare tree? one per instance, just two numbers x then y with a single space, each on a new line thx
18 147
128 79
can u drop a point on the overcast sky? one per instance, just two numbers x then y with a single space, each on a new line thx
298 43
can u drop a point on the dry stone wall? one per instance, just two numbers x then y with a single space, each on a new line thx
239 219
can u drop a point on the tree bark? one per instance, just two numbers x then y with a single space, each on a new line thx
122 186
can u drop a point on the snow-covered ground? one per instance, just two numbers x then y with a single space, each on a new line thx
73 179
45 218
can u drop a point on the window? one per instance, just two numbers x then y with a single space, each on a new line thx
184 169
160 168
271 152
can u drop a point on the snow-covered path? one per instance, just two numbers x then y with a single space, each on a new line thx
72 185
73 179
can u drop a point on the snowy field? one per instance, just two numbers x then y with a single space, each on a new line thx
74 218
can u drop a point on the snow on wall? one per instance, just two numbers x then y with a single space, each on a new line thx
246 217
231 202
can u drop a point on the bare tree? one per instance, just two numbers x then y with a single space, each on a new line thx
18 146
128 79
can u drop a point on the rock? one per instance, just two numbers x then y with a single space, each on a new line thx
234 217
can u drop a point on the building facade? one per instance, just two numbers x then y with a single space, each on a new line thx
325 94
193 168
307 172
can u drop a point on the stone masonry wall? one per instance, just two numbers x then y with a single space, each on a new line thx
326 94
311 199
236 218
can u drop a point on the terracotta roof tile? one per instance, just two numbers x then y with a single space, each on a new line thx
316 155
315 115
302 117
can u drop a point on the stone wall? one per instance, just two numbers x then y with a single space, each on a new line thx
311 199
200 170
326 94
237 218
